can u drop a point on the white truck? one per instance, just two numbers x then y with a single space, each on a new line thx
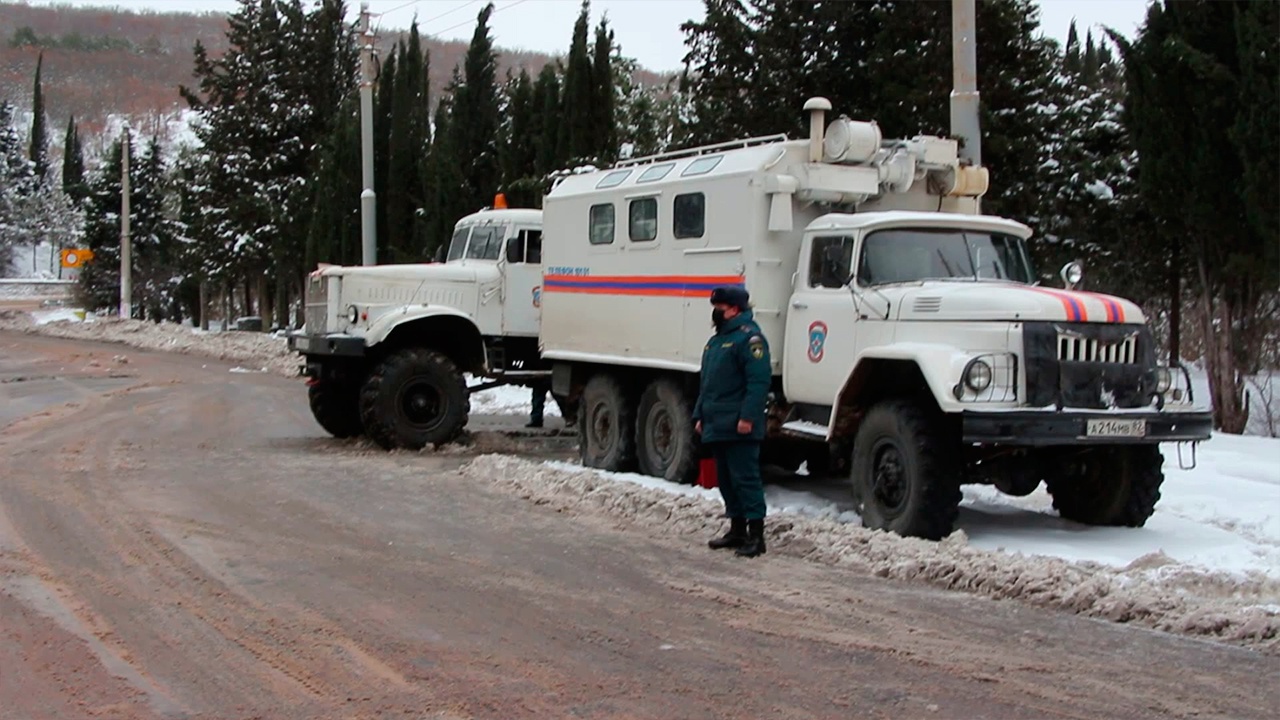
913 349
388 347
912 346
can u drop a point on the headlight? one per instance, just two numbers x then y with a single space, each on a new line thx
1072 273
1164 380
977 376
353 314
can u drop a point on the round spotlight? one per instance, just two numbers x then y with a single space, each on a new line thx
353 314
1164 380
977 376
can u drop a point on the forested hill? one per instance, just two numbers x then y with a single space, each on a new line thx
100 61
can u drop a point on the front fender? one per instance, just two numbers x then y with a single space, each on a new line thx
940 365
386 322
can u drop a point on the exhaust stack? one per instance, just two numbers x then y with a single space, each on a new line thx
964 92
817 108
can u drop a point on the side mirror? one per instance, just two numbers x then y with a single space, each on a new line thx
1072 273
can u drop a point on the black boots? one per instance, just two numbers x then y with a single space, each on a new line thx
755 540
735 538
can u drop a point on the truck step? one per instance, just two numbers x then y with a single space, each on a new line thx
806 428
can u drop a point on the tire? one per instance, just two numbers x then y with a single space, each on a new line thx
666 445
336 406
606 426
1115 486
414 398
906 471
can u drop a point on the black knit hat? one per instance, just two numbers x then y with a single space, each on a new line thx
731 295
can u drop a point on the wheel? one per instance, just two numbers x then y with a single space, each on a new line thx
666 446
606 425
906 471
336 406
1109 485
412 398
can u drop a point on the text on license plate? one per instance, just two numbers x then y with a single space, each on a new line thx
1116 428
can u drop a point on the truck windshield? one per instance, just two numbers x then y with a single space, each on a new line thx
911 255
458 245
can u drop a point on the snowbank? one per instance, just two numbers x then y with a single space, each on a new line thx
255 350
1154 590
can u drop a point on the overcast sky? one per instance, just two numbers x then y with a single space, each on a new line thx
648 30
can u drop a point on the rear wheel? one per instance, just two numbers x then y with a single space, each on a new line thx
336 406
906 471
414 398
1109 485
606 425
666 445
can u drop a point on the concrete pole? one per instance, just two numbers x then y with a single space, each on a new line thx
368 198
126 245
964 92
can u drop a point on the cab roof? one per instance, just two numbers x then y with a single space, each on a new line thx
858 221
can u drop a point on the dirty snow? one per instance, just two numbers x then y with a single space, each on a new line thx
1155 590
507 400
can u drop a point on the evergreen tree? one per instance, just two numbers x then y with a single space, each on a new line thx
99 281
446 183
547 122
1184 75
410 127
73 183
718 68
334 234
474 121
384 98
16 185
519 146
577 116
1072 50
39 149
604 140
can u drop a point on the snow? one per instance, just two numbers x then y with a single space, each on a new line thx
1190 575
507 400
44 317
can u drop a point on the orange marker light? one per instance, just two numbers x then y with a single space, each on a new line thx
500 202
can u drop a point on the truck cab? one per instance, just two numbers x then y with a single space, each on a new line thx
387 348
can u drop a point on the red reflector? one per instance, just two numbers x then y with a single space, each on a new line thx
312 382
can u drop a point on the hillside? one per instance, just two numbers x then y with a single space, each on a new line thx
103 61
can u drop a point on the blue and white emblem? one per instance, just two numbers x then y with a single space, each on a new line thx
817 340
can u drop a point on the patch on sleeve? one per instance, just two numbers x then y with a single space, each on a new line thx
756 344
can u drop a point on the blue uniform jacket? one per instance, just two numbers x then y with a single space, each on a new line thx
736 376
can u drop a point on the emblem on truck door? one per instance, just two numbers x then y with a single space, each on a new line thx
817 340
537 296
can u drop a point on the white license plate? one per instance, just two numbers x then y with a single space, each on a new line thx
1116 428
303 344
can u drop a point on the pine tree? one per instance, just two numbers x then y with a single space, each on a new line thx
73 183
99 281
577 120
409 125
1072 49
445 181
16 186
604 140
547 122
382 120
474 121
39 149
519 142
718 68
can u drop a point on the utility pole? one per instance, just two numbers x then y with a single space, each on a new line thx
368 198
964 91
126 245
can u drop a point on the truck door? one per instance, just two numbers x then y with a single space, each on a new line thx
821 322
522 283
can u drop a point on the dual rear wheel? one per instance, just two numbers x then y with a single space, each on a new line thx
653 434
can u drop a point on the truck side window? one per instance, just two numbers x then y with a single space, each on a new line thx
601 232
532 246
643 219
689 218
525 247
830 262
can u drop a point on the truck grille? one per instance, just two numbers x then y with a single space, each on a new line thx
1074 347
1088 365
317 305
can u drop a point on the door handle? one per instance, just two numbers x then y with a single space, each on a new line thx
799 305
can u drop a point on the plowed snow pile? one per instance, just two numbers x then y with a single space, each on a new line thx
1241 609
257 351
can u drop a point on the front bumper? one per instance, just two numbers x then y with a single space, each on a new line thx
328 345
1046 428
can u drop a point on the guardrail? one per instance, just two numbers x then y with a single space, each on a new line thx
35 289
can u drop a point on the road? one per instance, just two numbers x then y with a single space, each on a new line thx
181 541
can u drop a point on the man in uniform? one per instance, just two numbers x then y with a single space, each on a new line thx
730 416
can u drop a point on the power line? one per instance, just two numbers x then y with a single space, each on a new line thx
438 33
450 12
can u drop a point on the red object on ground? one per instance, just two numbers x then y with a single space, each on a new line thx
707 472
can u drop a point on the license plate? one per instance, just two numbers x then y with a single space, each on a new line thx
1116 428
302 344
